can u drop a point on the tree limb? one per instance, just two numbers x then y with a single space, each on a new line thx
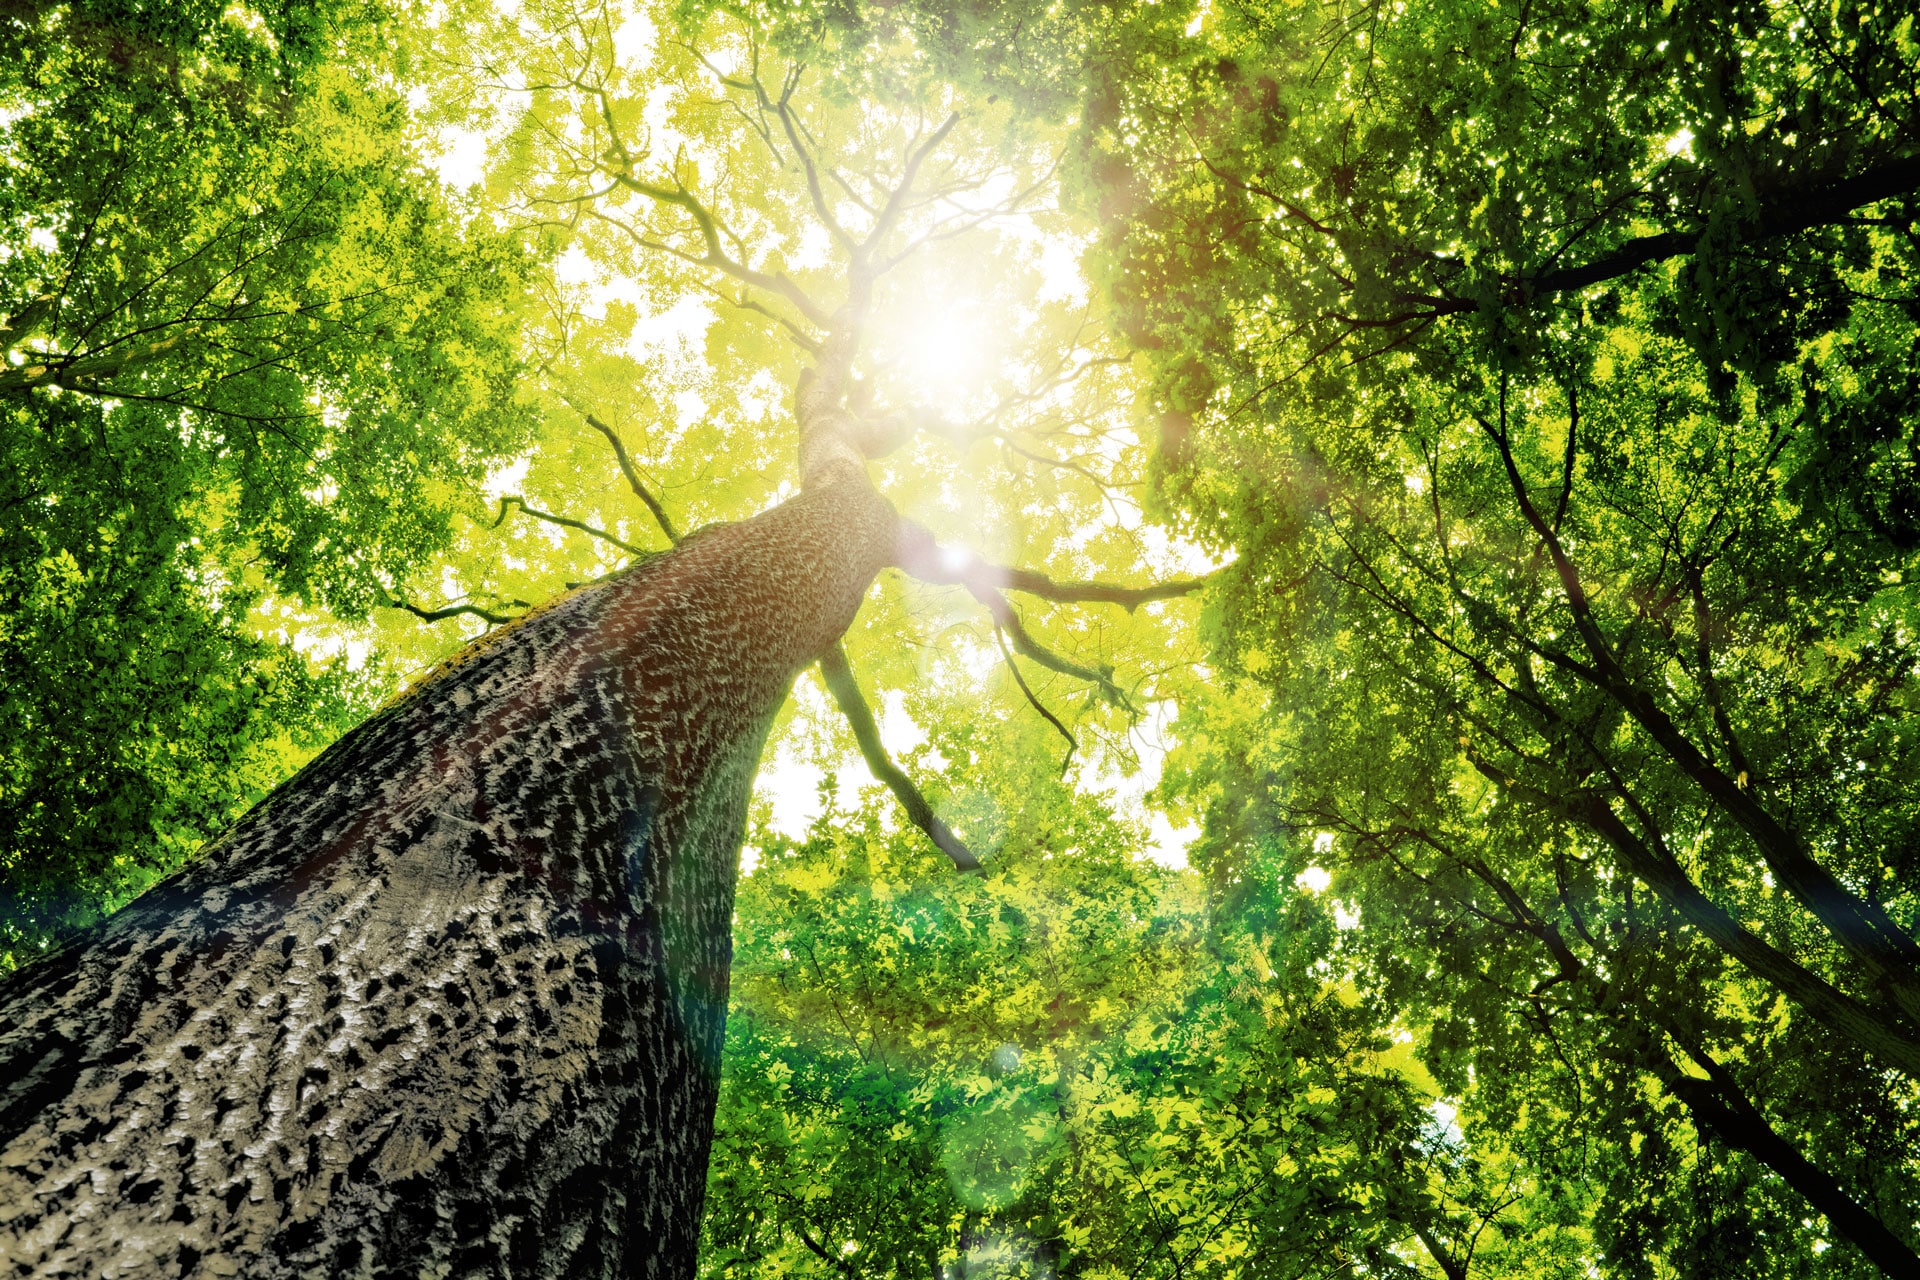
450 611
1780 214
1449 1264
896 199
1730 1116
1717 1104
628 470
1073 744
1887 1036
784 110
918 552
853 704
798 336
515 500
716 256
1783 214
928 561
1861 927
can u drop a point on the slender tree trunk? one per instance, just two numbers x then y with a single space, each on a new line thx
1718 1104
450 1002
1722 1110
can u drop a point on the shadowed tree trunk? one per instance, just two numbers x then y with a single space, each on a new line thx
451 1001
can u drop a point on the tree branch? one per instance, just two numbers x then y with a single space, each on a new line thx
515 500
853 704
1862 928
1449 1264
1073 744
1724 1111
1887 1036
800 337
896 199
928 561
628 470
917 551
450 611
783 109
1783 214
1717 1104
716 256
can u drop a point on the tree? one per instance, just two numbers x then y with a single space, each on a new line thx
453 997
249 344
1540 367
1544 375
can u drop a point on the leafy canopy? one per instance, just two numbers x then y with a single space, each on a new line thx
253 353
1543 376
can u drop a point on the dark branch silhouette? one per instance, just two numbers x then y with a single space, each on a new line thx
515 500
928 561
1779 214
1033 699
451 611
853 704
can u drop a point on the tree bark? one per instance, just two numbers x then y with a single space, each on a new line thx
450 1002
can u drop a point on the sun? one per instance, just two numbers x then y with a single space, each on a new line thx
941 351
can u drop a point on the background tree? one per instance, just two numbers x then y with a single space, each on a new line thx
1520 356
251 349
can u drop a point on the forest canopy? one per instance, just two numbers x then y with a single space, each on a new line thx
1415 612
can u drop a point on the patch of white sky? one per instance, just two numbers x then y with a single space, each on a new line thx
315 636
507 478
1316 880
634 40
790 777
460 157
1152 739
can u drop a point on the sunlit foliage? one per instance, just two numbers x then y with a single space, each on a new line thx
1544 377
1550 370
252 351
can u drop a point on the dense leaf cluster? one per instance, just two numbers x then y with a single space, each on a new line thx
1074 1064
249 348
1548 371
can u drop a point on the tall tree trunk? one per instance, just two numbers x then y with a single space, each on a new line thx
450 1002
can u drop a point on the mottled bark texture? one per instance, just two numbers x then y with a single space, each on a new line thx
451 1002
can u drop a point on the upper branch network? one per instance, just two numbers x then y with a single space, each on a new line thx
874 217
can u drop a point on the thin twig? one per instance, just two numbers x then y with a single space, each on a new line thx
450 611
515 500
1033 700
928 561
628 470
